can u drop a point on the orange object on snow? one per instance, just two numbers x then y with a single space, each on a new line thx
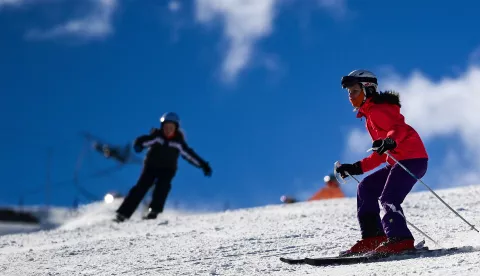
331 190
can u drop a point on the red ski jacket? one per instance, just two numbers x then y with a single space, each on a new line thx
384 120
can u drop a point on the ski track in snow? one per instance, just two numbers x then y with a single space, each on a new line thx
240 242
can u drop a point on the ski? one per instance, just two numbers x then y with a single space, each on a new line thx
420 245
303 260
368 258
292 261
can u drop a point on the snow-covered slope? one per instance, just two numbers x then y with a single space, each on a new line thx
239 242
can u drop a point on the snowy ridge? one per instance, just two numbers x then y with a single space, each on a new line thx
239 242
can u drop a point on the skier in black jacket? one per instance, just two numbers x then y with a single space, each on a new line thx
160 166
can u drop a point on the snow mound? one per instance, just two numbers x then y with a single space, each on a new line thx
91 215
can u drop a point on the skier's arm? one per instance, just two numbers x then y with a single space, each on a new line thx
147 140
190 155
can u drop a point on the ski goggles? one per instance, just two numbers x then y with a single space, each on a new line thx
348 81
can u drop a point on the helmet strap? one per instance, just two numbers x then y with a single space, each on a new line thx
364 95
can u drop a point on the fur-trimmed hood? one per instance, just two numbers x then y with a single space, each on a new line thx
389 97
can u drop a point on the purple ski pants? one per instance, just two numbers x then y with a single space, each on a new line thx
390 185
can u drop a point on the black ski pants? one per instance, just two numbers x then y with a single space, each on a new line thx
161 177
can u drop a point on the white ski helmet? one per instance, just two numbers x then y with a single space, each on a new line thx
366 78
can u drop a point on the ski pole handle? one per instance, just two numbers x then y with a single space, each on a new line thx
335 166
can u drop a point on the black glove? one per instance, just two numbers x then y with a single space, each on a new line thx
207 171
352 169
382 145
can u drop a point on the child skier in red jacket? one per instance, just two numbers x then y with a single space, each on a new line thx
391 184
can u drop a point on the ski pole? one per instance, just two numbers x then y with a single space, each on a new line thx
409 172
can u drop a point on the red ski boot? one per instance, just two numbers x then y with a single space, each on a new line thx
395 246
364 246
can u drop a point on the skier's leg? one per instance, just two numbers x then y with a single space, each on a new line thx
161 191
368 210
136 193
398 185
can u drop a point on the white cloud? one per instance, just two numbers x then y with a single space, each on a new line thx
444 108
11 2
174 6
245 21
96 24
336 7
454 171
475 56
359 141
19 3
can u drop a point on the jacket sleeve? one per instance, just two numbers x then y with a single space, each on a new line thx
372 161
387 118
190 155
148 140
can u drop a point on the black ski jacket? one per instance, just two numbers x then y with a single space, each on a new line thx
163 152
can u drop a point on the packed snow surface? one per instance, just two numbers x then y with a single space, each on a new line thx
239 242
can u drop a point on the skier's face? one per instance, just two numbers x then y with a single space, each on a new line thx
168 129
356 95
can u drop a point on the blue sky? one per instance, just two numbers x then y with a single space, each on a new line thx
256 83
